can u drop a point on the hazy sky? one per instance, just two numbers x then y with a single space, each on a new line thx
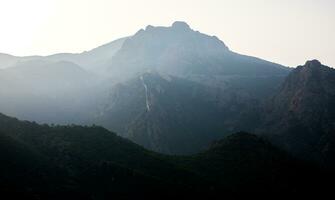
284 31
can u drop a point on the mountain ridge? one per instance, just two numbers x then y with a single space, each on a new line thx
192 86
304 110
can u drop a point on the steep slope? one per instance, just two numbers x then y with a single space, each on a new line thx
301 116
162 112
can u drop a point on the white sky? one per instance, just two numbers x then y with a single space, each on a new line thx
284 31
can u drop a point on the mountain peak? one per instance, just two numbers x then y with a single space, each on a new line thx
149 27
313 62
313 67
311 71
180 25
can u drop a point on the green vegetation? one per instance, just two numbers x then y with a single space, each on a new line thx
75 162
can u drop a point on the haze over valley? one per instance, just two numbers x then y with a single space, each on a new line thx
169 112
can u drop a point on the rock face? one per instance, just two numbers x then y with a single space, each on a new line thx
163 112
301 116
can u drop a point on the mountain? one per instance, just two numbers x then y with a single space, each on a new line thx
94 59
26 174
7 60
162 112
91 163
243 160
46 91
158 88
178 50
301 116
174 83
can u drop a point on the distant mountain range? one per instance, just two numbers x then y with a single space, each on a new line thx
175 90
46 91
93 59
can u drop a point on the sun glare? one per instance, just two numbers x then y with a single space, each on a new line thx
21 21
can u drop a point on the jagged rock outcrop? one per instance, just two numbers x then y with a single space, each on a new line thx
301 116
